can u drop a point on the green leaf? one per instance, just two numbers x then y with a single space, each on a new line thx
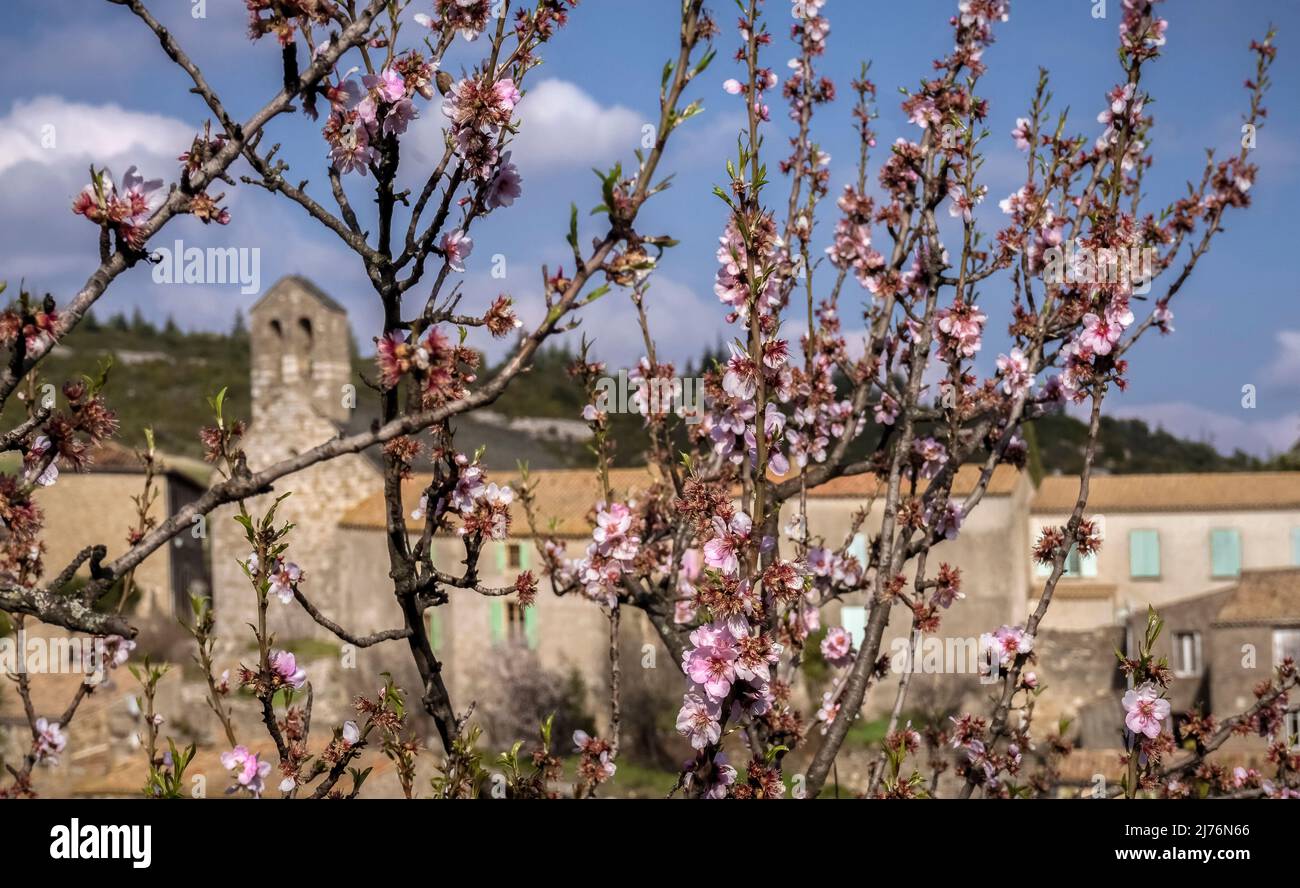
215 404
704 62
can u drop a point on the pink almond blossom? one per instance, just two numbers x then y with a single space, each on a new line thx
723 550
249 770
456 247
837 646
1145 709
286 666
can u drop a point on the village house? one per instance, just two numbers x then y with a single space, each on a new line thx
1187 544
1221 645
1167 538
1217 554
96 506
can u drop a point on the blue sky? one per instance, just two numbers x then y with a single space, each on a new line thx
92 71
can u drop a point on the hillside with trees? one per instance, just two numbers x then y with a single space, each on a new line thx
143 360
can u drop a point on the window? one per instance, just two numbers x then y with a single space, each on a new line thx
516 631
1072 563
854 620
511 557
512 623
1076 565
1143 553
1187 653
1225 553
305 331
1079 565
1286 643
1292 724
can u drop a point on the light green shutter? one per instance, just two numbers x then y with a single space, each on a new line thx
435 629
858 548
854 620
498 616
530 626
525 554
1295 546
1088 564
1225 553
501 557
1073 566
1144 553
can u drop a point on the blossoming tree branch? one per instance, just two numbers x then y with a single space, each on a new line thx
719 554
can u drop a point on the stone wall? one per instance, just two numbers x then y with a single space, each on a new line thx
92 508
320 495
300 343
1080 677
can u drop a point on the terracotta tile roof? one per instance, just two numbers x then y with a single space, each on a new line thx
566 496
112 457
1181 492
1263 596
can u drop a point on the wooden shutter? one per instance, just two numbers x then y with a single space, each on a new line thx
1144 553
530 626
435 628
497 609
858 548
1225 553
854 620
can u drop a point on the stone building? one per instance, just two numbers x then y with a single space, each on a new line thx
302 389
570 634
1170 541
989 551
1167 538
96 507
1221 645
93 507
304 393
1256 627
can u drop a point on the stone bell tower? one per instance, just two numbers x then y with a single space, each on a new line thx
300 350
301 360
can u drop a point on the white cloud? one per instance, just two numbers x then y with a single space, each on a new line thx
45 244
1284 370
563 126
51 131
